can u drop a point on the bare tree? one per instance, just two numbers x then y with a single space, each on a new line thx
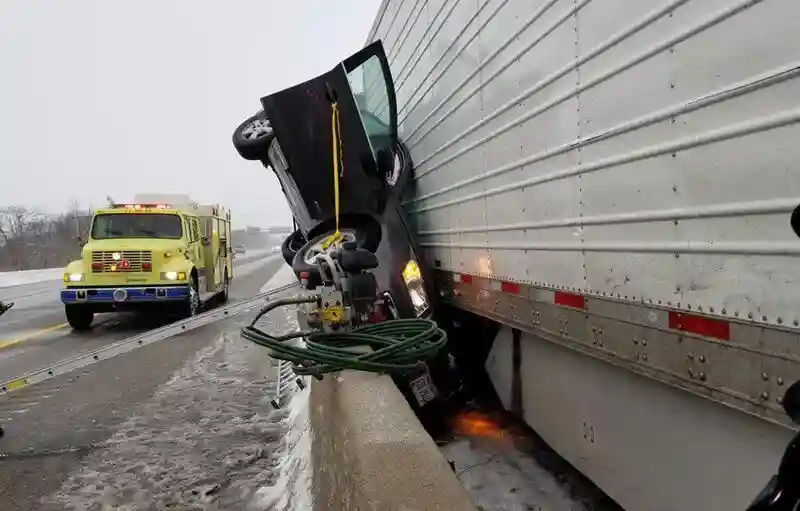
31 240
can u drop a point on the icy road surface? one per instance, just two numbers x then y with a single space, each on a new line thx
184 423
208 439
34 334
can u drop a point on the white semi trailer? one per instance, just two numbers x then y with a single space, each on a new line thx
611 182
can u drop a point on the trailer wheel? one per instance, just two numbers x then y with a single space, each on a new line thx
79 317
253 137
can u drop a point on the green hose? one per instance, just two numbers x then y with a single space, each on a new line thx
398 346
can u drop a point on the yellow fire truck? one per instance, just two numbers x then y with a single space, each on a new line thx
160 253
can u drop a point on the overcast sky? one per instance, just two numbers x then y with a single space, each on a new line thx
112 97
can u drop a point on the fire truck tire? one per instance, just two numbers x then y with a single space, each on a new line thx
79 317
191 307
226 284
253 137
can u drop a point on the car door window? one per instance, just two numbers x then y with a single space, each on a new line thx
374 95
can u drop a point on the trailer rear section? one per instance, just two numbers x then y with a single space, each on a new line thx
610 186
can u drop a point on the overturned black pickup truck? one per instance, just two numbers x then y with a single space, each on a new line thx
332 142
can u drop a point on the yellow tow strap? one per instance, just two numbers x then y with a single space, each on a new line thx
338 171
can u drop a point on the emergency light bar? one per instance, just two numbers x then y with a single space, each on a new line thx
142 206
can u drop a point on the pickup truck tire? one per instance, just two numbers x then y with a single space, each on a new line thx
79 317
253 137
291 245
300 263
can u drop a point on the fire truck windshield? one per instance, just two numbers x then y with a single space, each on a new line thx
136 225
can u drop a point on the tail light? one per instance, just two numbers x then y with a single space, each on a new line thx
147 266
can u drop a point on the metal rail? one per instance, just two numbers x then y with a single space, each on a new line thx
137 341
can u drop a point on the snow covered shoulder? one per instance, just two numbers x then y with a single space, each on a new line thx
21 278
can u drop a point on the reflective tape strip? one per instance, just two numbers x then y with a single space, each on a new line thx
511 287
700 325
717 328
573 300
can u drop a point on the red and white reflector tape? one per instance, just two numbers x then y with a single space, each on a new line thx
701 325
674 320
573 300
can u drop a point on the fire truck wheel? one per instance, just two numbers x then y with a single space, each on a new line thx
226 284
192 304
252 138
79 317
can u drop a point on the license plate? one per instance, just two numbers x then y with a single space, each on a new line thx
424 389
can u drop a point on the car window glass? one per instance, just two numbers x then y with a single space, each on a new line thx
371 94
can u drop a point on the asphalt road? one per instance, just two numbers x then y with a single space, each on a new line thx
34 333
183 423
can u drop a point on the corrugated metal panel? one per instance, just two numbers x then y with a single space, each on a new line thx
641 148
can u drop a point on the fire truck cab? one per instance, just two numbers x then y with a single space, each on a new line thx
165 254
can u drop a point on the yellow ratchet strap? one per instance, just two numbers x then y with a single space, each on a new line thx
338 171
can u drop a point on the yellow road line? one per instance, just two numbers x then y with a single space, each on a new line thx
32 335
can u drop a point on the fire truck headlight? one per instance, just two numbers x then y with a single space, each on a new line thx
73 277
173 275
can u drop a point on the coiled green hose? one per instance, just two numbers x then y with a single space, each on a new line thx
398 346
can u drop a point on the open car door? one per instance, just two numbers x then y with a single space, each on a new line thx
372 87
365 138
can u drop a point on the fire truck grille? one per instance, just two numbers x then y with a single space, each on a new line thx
126 261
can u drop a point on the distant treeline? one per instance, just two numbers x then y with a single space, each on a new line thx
31 240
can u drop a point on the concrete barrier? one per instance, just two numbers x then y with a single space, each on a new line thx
370 452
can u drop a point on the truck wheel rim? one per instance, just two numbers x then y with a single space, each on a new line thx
259 128
316 249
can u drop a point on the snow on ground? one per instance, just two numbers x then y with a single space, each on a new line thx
21 278
208 440
499 477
